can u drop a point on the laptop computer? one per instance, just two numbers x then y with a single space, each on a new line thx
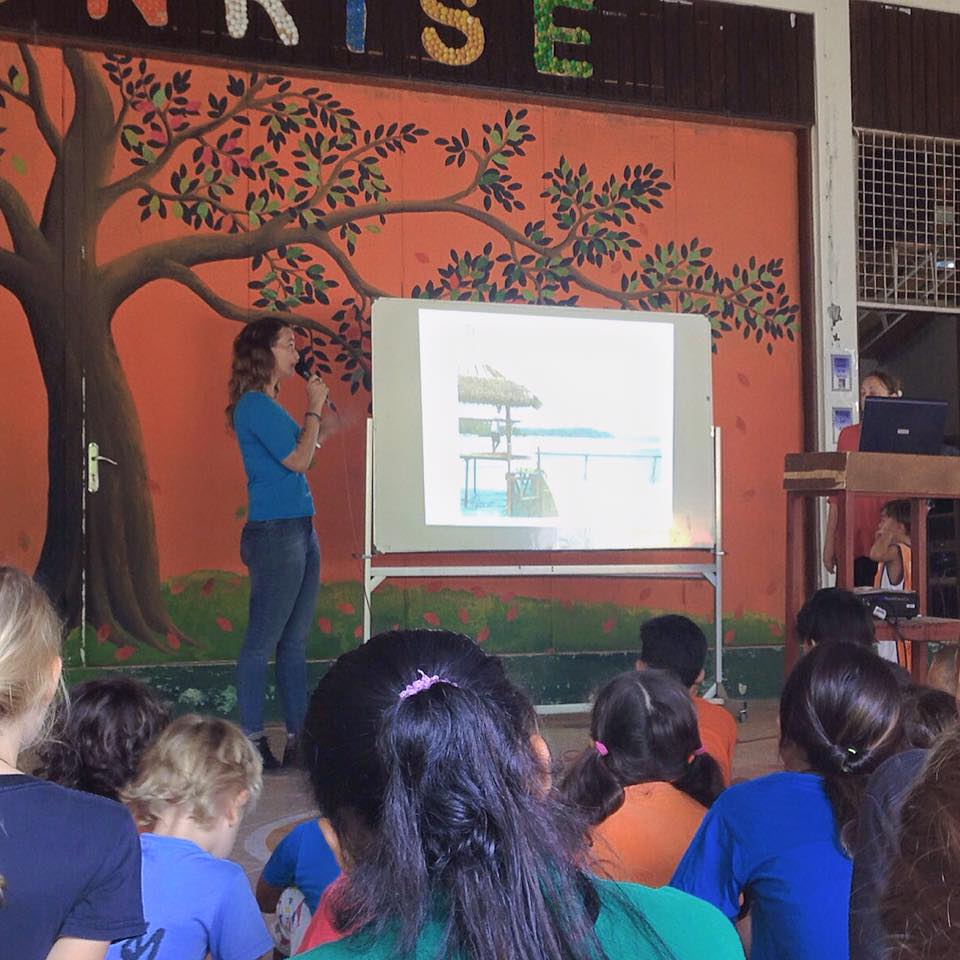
898 425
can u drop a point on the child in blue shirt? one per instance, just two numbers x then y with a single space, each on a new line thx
294 878
780 845
194 784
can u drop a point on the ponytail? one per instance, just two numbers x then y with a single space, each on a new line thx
702 779
592 788
438 798
644 728
841 706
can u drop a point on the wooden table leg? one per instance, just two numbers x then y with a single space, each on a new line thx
794 578
918 661
846 518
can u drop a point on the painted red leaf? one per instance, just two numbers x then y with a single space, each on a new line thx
512 614
478 591
776 630
176 587
325 625
173 641
224 624
358 631
421 257
483 635
729 636
431 618
103 632
464 615
207 587
434 586
346 609
608 624
744 379
124 653
741 425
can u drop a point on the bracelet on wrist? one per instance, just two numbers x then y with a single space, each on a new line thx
313 413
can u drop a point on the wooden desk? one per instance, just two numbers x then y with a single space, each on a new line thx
845 476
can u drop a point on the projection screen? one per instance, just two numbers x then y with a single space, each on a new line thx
509 427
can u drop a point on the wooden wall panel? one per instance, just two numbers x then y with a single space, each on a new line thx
704 57
905 69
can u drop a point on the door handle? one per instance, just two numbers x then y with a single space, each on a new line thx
93 466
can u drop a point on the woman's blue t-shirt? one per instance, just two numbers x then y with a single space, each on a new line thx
775 839
267 435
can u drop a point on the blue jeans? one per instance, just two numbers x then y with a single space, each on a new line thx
283 557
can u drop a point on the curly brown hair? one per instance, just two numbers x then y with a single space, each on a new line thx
925 873
253 359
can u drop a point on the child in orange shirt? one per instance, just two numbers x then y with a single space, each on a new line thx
675 643
646 782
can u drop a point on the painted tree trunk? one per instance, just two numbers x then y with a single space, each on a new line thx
118 546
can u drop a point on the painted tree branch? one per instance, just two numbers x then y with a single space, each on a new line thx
37 102
28 241
234 311
143 175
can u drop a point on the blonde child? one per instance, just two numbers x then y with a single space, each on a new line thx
194 784
891 551
70 862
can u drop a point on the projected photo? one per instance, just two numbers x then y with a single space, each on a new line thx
555 421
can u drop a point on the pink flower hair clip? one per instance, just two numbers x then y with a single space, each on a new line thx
423 682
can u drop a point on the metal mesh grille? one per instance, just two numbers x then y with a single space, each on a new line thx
906 220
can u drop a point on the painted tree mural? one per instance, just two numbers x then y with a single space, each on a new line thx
283 176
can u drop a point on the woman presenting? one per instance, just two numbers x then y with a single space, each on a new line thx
279 545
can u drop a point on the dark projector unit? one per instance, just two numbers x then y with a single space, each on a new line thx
890 604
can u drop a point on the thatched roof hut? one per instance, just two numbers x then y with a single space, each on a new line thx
484 384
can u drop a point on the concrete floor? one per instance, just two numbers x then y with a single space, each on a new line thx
286 799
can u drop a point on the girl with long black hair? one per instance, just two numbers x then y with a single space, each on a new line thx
781 843
646 781
426 762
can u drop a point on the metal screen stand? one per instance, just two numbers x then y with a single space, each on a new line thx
712 572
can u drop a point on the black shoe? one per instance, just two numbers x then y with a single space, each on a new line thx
270 762
292 754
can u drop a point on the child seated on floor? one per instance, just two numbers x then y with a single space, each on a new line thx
781 843
101 733
427 762
834 615
194 784
891 550
927 712
675 643
646 782
294 878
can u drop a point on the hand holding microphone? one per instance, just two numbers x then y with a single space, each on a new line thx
315 398
317 394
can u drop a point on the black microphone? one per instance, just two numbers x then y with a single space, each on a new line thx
304 368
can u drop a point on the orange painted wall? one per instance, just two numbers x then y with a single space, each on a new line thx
734 188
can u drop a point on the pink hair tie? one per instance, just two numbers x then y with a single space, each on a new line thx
700 751
601 748
423 682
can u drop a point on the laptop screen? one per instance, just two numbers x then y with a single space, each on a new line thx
899 425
